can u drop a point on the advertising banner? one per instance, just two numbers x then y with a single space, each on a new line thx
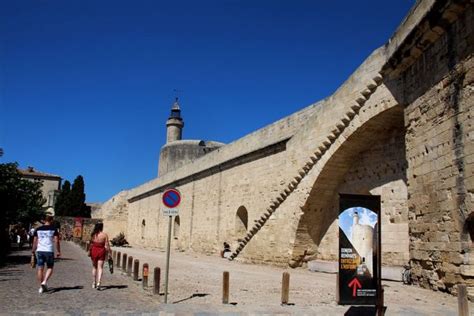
359 248
77 230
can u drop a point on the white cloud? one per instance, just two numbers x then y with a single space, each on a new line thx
367 217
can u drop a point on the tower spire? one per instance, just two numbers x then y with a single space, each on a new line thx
175 124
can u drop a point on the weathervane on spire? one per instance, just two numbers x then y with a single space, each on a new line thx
176 92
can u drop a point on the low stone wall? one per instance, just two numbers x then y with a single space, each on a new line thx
67 225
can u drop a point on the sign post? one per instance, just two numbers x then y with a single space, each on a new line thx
359 278
171 199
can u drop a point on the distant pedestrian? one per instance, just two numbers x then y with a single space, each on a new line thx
31 235
18 240
21 237
44 240
99 251
226 252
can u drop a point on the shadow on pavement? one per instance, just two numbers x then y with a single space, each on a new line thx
362 311
3 280
191 297
63 259
64 288
10 272
110 287
17 259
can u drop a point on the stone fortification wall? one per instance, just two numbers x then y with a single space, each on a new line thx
399 127
243 173
209 206
218 184
438 92
114 212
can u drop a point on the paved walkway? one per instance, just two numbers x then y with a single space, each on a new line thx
70 288
195 289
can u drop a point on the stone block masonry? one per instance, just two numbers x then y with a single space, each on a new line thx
438 92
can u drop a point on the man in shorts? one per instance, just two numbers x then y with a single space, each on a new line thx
45 237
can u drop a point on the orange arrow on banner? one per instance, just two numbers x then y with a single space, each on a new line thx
355 284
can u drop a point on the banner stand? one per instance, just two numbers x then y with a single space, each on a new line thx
360 249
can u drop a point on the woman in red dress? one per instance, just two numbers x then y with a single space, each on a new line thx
99 248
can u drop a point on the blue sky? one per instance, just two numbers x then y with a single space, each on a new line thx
86 86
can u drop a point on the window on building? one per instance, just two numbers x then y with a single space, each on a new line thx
241 221
176 227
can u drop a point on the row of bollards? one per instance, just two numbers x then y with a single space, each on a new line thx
131 267
285 288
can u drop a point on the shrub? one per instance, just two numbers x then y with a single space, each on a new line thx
119 240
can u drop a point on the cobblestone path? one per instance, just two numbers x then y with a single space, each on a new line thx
70 288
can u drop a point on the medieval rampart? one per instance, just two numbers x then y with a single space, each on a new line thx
399 127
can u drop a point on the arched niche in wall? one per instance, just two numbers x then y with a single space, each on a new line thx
143 229
241 221
176 227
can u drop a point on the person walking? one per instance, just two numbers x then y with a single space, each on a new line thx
44 240
31 236
99 250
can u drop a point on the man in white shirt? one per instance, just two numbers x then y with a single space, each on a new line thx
45 237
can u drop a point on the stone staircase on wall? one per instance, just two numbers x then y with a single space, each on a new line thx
358 103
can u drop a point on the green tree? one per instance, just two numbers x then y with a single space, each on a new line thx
71 200
62 205
21 201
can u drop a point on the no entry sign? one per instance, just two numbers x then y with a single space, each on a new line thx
171 198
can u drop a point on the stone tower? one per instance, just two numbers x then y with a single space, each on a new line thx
178 152
363 241
175 124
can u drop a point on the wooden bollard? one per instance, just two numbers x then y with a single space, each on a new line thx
285 288
124 262
463 303
136 266
157 278
129 266
225 288
145 276
119 255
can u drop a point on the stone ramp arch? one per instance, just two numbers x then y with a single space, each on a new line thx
320 204
355 116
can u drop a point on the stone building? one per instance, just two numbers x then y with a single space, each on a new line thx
399 127
51 186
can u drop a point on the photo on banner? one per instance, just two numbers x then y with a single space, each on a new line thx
358 248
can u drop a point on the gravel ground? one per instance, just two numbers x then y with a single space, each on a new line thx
197 279
195 288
